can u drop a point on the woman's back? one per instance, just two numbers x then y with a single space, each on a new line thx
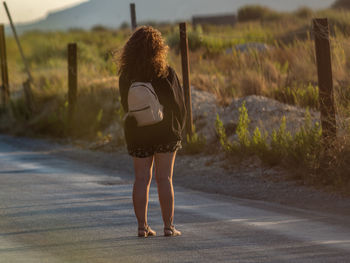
169 92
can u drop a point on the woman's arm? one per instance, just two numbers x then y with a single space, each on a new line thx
180 107
124 90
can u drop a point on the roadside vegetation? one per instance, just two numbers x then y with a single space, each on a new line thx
304 152
266 53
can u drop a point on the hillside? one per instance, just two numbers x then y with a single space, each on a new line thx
111 13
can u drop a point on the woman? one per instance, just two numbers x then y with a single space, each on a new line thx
143 59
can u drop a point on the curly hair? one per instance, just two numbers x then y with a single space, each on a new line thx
143 57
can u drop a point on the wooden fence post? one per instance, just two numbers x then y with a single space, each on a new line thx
133 16
28 96
5 90
325 80
72 79
186 77
18 42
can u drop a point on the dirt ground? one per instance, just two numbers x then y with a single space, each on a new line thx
209 173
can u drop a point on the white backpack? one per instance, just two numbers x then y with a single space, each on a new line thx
143 104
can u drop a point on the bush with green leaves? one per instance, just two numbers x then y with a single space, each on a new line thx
307 96
307 142
244 141
198 40
242 129
256 12
342 4
195 144
221 134
278 147
195 40
259 143
281 141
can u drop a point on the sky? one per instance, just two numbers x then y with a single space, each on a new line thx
29 10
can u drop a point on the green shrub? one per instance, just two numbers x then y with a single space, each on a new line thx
54 122
45 52
244 144
256 12
304 12
89 54
19 109
100 28
259 143
195 144
341 4
194 40
301 96
338 19
303 148
281 141
307 143
221 133
242 129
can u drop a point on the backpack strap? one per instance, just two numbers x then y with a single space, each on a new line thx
126 115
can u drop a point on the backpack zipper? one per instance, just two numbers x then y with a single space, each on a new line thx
141 109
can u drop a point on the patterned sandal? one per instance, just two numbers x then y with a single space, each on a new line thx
146 231
171 232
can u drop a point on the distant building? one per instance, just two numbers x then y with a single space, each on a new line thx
228 19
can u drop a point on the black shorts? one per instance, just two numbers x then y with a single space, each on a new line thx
144 152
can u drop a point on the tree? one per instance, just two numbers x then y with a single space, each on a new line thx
342 4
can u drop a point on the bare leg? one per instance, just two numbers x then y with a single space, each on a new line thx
164 165
143 177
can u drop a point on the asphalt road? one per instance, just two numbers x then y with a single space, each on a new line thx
58 210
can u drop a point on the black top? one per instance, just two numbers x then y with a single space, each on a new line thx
171 96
